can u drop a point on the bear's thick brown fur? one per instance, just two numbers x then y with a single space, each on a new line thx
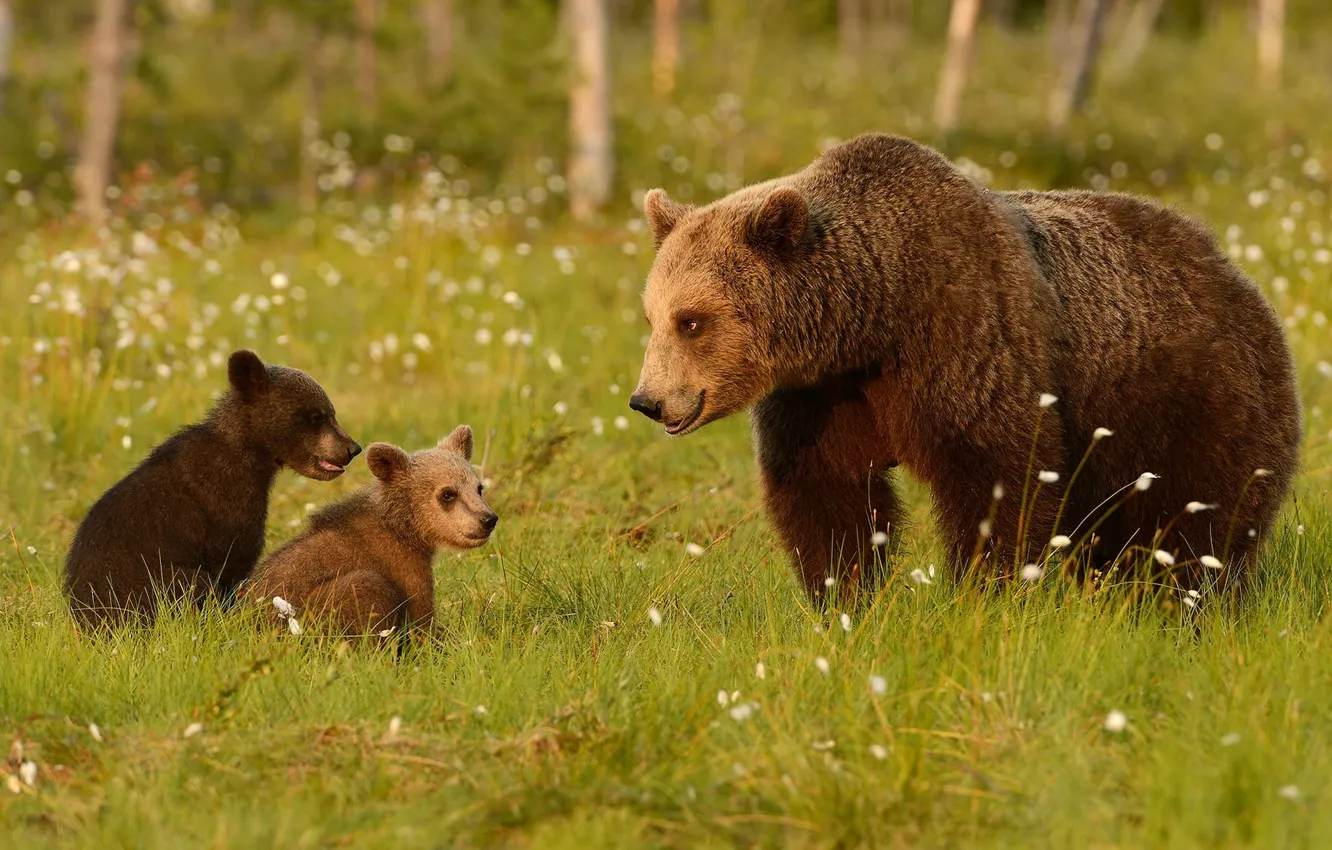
189 520
364 564
879 308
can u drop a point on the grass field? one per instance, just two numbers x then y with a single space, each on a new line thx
555 711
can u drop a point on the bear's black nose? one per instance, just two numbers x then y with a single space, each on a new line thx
490 520
355 450
646 406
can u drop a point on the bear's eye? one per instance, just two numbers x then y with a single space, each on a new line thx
480 488
314 417
447 496
690 327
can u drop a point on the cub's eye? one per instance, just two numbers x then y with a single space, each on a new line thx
480 488
447 496
690 327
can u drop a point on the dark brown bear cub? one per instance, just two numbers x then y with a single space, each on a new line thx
879 307
189 520
363 565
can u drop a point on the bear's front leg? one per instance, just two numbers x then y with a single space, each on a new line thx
824 468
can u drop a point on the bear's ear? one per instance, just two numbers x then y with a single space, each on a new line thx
663 214
386 461
781 222
459 441
247 374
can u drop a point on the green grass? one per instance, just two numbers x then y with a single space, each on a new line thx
552 712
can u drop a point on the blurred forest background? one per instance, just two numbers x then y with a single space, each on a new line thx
259 102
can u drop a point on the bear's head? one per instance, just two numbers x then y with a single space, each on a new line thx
284 413
711 298
434 494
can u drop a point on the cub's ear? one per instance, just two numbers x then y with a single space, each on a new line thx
386 461
782 222
663 214
459 441
247 374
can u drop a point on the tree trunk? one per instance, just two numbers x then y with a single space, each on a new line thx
6 46
1141 24
665 45
439 39
367 88
889 23
590 155
1057 24
101 119
1271 41
851 28
307 190
957 62
1072 91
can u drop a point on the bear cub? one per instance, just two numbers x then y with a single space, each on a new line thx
189 520
363 565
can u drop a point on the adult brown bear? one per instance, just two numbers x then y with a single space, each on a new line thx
879 308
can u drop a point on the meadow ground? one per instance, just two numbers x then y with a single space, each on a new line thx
629 662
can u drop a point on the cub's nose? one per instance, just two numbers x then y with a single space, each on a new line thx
646 406
489 521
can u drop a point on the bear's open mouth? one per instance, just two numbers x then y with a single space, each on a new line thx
330 467
679 426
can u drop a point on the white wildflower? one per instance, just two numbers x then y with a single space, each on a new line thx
283 607
879 751
1047 477
822 664
1060 541
193 729
694 549
760 671
13 784
1261 473
998 491
846 622
919 577
879 538
28 773
278 281
654 616
395 726
1144 481
1116 721
293 626
1048 400
1196 507
1289 792
723 698
1211 562
1230 739
95 732
1032 572
878 685
1164 558
1102 433
743 711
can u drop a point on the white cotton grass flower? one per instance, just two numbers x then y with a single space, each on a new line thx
1211 562
1047 477
481 710
1102 433
13 784
919 577
878 685
654 616
1144 481
283 607
96 732
279 281
879 538
879 751
193 729
1116 721
1230 740
846 622
621 423
1289 792
1198 507
1164 558
823 746
394 727
1060 541
28 773
723 698
985 529
294 627
822 664
386 632
998 491
829 581
760 671
1047 400
743 711
1032 572
1261 473
694 549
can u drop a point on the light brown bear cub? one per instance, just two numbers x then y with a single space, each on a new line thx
363 565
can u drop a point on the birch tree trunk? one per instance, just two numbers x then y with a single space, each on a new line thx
851 28
957 62
307 190
438 23
367 86
1141 23
1072 90
6 46
101 118
590 165
1271 41
665 45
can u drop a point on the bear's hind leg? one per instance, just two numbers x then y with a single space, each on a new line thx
359 603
